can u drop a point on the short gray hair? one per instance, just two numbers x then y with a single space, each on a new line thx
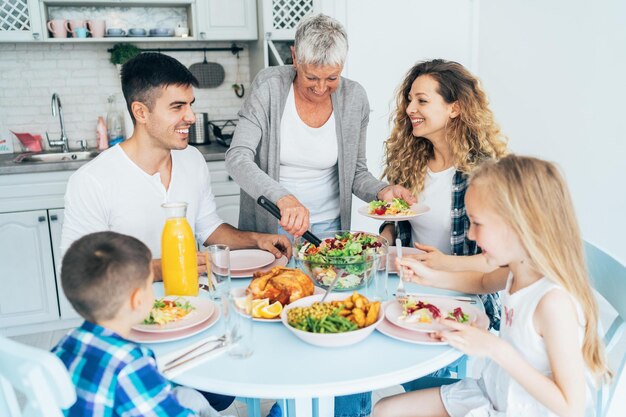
321 40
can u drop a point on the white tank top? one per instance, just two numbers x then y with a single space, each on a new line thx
517 328
308 162
433 227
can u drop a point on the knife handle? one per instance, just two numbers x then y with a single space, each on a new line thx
275 211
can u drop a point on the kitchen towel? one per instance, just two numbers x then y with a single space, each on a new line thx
32 143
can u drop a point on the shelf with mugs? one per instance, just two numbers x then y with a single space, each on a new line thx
117 21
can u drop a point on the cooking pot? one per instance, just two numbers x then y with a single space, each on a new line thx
199 131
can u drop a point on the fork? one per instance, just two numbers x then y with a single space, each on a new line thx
170 366
217 340
400 291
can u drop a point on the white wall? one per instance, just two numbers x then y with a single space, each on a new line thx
83 77
554 72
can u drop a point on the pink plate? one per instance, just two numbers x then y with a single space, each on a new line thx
203 309
393 313
145 337
417 209
282 261
419 338
246 259
393 255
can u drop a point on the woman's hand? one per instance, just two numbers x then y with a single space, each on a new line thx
396 191
469 339
294 217
432 257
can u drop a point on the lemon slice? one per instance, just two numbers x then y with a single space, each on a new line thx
241 303
271 311
258 305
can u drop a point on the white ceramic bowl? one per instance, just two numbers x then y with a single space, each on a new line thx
328 339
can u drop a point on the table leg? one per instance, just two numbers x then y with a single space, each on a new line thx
303 407
325 406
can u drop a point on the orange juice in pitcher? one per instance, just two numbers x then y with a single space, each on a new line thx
178 252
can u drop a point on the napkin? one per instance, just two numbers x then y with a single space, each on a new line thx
199 356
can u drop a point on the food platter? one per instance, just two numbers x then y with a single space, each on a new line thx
417 209
202 310
241 292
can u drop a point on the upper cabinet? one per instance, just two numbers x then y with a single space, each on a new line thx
227 20
20 20
112 20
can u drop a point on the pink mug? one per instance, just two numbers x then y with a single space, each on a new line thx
72 25
57 28
96 27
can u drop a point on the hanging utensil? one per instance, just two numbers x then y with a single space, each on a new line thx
275 211
238 87
209 74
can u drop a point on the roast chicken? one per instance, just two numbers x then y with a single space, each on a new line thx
280 284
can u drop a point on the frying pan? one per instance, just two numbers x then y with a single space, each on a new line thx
209 74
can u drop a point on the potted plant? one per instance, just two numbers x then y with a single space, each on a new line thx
122 52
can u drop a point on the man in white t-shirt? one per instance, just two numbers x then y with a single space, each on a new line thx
123 188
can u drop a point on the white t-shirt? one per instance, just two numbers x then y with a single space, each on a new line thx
308 162
113 193
433 227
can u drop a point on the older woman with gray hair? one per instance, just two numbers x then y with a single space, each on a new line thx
300 140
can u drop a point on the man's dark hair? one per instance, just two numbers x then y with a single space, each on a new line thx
101 270
146 74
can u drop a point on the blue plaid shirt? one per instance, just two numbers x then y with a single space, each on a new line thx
114 377
460 244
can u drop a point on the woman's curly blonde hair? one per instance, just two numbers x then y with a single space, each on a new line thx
473 135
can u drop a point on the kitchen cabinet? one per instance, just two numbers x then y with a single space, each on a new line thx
20 20
226 193
29 292
227 20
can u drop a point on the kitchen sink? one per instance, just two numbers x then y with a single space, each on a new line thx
55 157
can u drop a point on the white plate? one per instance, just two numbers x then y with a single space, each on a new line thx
393 313
203 309
145 337
247 273
328 339
241 292
244 259
418 210
393 254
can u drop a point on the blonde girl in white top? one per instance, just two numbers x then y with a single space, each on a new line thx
549 354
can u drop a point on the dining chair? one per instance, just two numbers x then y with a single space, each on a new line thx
608 278
39 376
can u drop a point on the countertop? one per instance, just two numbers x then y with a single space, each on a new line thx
211 152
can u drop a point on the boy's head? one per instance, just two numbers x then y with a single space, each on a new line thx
144 77
101 271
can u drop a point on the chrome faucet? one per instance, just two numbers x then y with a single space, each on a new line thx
57 108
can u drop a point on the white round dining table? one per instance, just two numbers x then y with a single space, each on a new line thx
285 367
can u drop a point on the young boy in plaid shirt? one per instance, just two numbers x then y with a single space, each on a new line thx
107 277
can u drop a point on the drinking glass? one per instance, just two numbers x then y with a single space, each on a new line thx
239 331
376 289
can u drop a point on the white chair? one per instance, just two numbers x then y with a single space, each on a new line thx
39 376
608 277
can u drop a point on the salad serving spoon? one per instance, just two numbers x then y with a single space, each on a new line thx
275 211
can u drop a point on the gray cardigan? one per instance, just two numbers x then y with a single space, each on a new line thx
253 159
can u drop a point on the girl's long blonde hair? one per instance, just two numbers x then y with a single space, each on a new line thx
532 197
473 134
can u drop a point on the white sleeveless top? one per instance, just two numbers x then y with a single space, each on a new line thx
518 329
308 162
433 227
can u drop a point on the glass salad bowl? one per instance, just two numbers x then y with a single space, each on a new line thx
351 255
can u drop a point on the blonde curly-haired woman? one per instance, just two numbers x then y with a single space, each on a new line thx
443 128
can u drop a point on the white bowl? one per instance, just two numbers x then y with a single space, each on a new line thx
328 339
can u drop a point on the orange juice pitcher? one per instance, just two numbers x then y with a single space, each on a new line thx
178 252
